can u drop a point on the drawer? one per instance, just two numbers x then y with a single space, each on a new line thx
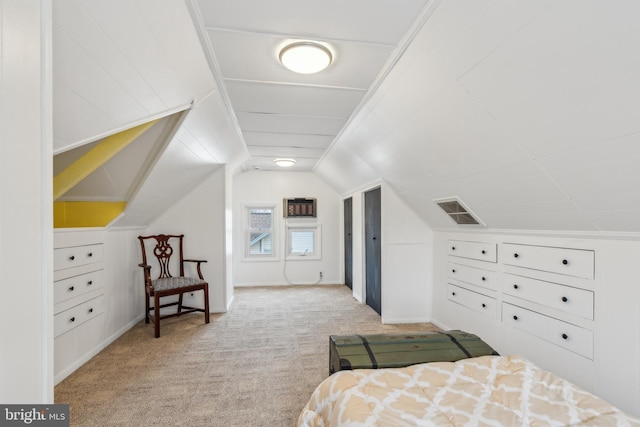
571 262
78 285
75 316
481 251
77 255
473 300
560 297
563 334
475 276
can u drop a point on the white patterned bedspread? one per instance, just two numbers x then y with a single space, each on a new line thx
483 391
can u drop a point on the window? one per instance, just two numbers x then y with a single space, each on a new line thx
260 235
303 241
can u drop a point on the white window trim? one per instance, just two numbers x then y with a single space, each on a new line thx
317 242
274 230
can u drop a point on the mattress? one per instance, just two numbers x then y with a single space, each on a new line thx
481 391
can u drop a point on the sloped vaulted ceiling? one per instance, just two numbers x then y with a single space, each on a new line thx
118 64
528 111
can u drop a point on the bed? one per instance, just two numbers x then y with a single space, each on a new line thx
481 391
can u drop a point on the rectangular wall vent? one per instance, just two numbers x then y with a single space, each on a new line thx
458 212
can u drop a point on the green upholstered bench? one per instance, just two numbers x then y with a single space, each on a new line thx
399 350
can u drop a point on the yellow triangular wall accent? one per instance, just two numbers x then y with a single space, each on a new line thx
94 158
85 214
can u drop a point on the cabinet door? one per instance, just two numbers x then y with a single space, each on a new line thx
570 262
560 297
563 334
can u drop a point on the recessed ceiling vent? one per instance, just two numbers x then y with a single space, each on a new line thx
458 212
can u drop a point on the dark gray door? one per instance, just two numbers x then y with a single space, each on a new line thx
373 246
348 242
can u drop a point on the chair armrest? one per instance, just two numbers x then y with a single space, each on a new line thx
198 262
147 277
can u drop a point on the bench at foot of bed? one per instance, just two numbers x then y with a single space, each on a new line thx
400 350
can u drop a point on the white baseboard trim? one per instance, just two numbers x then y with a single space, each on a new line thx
441 325
406 320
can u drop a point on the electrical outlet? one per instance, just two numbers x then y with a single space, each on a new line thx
321 274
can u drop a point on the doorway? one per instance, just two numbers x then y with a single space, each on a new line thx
373 248
348 242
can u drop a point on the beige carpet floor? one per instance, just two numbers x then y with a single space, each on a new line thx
256 365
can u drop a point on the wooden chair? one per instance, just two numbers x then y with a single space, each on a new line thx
166 284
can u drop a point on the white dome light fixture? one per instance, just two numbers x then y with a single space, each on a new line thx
285 163
305 57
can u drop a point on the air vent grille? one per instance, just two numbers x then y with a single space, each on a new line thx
458 212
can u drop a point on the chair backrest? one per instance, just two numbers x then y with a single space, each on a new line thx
163 251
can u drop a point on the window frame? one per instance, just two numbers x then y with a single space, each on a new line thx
248 256
317 241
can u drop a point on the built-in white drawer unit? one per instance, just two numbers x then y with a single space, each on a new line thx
475 276
563 334
76 316
473 300
76 256
76 286
560 297
78 295
482 251
567 261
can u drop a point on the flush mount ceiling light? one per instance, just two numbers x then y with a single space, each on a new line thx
285 163
305 57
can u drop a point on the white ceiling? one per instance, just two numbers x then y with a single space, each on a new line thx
285 114
529 111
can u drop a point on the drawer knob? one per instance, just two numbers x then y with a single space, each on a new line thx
453 270
73 319
71 258
71 288
484 278
453 293
515 286
565 336
90 282
565 262
91 310
515 317
484 252
90 254
565 299
516 255
484 305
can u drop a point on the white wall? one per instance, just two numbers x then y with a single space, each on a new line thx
407 244
26 239
407 280
200 216
614 373
263 187
124 292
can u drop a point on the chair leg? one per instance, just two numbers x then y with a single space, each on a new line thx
180 302
206 303
146 311
156 318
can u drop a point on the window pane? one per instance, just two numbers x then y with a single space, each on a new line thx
260 219
302 242
260 243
